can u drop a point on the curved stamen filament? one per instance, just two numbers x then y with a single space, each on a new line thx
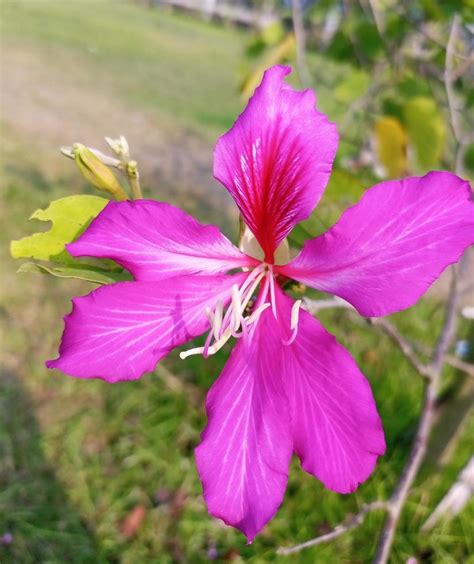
223 327
227 325
295 314
272 292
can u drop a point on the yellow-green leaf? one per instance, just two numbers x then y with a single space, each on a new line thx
281 52
342 190
69 217
426 130
82 272
391 146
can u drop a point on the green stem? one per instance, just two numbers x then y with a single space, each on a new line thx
133 177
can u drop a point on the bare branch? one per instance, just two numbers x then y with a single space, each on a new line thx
456 498
399 497
449 73
450 359
314 306
405 346
339 530
300 35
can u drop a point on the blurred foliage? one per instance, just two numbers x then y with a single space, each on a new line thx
395 64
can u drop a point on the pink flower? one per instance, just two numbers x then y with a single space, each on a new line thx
288 385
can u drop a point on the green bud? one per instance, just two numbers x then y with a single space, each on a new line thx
96 172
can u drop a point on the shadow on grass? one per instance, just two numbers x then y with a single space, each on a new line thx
37 522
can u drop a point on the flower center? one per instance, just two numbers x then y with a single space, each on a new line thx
242 313
250 246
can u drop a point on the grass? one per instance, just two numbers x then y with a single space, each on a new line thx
76 457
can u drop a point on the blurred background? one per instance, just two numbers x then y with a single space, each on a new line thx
91 472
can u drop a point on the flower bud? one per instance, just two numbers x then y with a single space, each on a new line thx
119 147
96 172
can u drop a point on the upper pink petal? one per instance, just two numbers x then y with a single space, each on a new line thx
154 241
120 331
246 448
337 431
388 249
276 158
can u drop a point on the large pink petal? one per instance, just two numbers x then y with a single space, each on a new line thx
276 158
154 241
337 431
246 448
122 330
387 250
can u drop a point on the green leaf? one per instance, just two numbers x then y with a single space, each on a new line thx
69 217
342 190
82 272
353 86
426 130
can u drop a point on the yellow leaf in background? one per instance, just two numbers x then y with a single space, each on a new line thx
427 131
391 146
281 52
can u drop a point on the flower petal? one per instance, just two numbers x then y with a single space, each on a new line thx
276 158
337 432
120 331
246 448
387 250
155 241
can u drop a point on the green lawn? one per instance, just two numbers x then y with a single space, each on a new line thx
76 456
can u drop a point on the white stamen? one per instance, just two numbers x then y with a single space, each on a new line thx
256 314
236 307
295 314
249 294
233 318
218 319
272 293
209 315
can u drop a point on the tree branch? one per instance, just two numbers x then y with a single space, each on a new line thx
399 497
300 36
407 347
404 344
341 529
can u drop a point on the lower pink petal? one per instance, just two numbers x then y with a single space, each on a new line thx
246 448
337 431
120 331
388 249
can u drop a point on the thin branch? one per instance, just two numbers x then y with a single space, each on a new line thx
300 36
450 359
314 306
449 73
399 497
405 345
341 529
